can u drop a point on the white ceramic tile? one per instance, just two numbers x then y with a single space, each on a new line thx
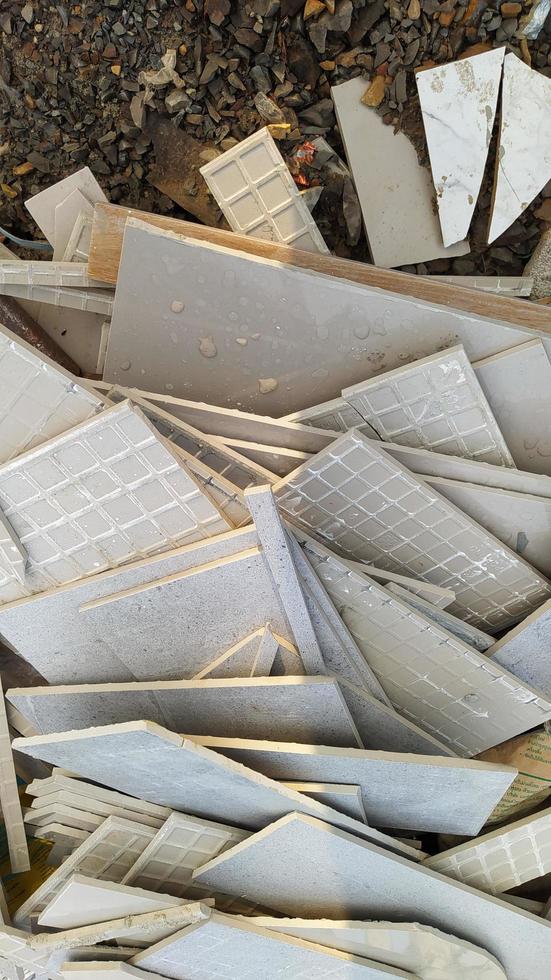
277 460
517 384
16 949
78 803
524 650
430 676
89 300
84 901
337 415
360 500
42 206
519 520
103 971
436 403
404 790
65 216
78 245
9 798
502 859
80 624
107 853
524 150
230 423
395 192
275 547
38 273
58 782
426 463
501 285
38 398
100 495
13 556
157 764
312 350
183 844
458 103
59 834
230 948
258 197
298 709
300 863
468 634
59 813
427 952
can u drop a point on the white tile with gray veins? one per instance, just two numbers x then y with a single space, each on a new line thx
298 709
104 493
432 677
301 863
404 790
148 761
362 502
427 952
458 104
502 859
523 156
435 403
234 948
517 384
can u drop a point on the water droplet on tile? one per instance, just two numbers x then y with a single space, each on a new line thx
242 341
266 385
361 332
126 365
176 306
207 347
169 387
233 316
255 336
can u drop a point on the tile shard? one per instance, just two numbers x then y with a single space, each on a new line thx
523 161
399 219
458 103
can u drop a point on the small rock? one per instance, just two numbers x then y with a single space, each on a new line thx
268 109
27 13
301 61
23 168
375 93
328 65
318 35
39 162
217 10
116 70
401 86
8 191
249 39
5 24
414 10
313 8
138 111
543 212
510 9
261 79
320 114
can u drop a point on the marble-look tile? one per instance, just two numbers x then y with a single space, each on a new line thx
458 102
524 151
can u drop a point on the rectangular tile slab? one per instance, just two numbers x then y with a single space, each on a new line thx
411 792
244 950
360 500
504 858
84 901
300 863
60 783
254 189
524 650
107 491
299 709
436 403
163 767
173 636
430 675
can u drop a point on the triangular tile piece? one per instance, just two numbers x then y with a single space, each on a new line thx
524 151
458 102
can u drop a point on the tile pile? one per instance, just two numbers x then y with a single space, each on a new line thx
282 569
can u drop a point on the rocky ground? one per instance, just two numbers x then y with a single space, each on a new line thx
91 83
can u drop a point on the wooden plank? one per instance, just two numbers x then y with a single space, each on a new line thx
106 246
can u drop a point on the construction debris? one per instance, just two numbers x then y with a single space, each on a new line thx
285 594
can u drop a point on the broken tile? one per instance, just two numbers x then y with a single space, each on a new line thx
84 901
42 206
458 103
65 217
524 151
395 192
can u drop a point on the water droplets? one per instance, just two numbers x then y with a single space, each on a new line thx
177 306
207 347
266 385
242 341
126 365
